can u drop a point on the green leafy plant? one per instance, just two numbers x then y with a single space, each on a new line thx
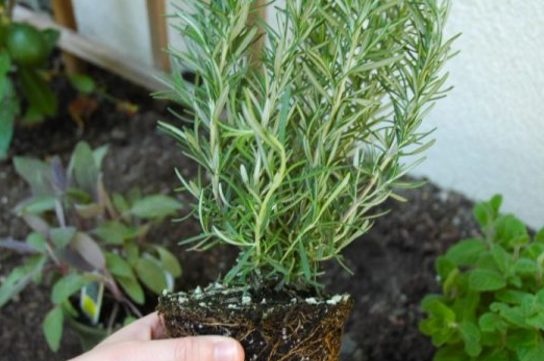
25 92
88 243
492 303
296 149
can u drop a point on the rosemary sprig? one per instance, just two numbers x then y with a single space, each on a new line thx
295 154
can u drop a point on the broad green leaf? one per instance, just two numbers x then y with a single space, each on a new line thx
156 206
132 288
133 253
495 202
470 333
151 274
496 355
5 63
483 213
450 354
444 267
61 237
9 109
440 323
37 241
78 196
513 297
83 168
67 286
169 261
82 83
114 232
36 173
513 315
118 266
485 280
120 203
539 237
526 267
37 92
99 154
532 354
502 258
52 327
20 277
37 205
466 252
509 230
489 321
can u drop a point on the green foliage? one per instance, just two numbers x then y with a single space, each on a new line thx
492 301
23 53
298 145
25 91
89 245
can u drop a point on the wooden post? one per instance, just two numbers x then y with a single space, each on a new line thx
63 12
156 10
258 15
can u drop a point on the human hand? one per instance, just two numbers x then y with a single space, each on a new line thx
143 340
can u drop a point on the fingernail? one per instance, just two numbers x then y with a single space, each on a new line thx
226 350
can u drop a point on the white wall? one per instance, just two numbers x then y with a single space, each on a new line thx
490 131
120 24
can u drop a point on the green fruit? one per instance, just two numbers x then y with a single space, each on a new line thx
26 45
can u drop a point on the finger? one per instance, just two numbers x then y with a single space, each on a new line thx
203 348
146 328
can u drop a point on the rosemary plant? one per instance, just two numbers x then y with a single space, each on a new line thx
295 150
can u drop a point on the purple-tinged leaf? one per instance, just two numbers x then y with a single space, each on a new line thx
17 246
59 179
89 250
37 224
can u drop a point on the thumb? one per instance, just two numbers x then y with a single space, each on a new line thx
202 348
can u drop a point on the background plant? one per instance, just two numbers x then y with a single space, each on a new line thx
296 149
26 94
492 302
88 243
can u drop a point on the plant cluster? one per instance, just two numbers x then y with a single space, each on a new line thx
25 92
492 303
85 241
298 145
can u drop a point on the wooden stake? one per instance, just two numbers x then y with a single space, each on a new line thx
156 10
258 15
63 12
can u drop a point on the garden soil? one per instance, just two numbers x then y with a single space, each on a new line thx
392 265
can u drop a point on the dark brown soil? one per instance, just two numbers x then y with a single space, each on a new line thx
392 264
271 325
